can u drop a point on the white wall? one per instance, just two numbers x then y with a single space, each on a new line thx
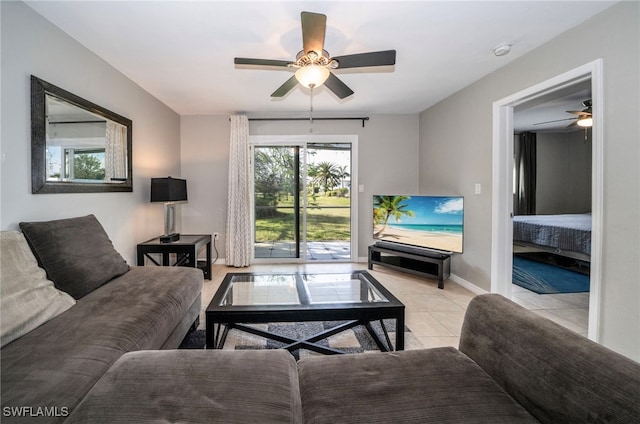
387 152
31 45
563 173
464 151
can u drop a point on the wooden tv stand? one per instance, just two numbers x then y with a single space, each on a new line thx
437 266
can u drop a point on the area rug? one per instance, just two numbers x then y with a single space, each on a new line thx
544 278
354 340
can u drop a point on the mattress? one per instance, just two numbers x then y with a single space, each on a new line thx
567 232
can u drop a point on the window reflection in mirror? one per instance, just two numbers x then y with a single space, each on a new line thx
82 146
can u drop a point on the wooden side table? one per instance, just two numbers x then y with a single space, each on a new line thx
185 251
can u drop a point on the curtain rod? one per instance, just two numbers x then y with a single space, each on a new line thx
363 119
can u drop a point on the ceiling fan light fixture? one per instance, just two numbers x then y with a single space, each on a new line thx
312 75
585 121
313 63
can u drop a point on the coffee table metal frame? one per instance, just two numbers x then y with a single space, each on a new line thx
222 318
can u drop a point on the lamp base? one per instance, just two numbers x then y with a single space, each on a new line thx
169 238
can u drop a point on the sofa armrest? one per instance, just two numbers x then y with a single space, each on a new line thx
556 374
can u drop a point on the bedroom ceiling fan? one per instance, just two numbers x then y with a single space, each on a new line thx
583 117
313 64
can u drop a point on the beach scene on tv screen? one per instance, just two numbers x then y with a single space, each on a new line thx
427 221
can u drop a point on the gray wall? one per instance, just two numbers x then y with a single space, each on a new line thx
563 173
204 150
32 45
387 163
463 154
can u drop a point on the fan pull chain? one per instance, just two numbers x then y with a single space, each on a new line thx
311 108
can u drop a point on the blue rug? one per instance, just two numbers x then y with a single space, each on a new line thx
543 278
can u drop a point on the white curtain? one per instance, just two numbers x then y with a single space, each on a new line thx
115 151
238 249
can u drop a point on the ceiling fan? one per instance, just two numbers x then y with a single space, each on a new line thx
313 64
583 117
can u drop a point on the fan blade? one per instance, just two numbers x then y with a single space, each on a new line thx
314 26
586 111
260 62
286 87
557 120
359 60
339 88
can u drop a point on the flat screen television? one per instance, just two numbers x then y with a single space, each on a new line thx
427 222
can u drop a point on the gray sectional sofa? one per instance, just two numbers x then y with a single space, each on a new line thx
512 367
100 361
103 309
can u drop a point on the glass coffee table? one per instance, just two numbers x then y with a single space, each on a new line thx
356 297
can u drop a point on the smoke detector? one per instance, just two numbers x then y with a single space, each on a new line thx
502 49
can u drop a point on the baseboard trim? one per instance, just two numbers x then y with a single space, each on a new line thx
467 285
456 279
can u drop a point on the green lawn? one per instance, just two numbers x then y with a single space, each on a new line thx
327 219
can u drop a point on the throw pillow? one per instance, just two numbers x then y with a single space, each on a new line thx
27 298
76 253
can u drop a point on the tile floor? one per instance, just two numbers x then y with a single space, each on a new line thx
570 310
434 316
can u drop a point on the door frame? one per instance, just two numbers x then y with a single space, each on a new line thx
302 140
502 203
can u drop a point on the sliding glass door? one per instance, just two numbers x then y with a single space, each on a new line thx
328 202
302 201
276 197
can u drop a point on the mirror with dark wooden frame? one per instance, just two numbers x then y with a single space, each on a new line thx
76 145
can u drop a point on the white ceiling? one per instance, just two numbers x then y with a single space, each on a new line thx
182 51
550 112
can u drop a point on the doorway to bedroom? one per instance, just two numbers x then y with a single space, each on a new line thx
552 205
302 209
505 111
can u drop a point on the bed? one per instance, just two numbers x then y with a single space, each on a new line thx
566 235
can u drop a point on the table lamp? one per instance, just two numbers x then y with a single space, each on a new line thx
169 191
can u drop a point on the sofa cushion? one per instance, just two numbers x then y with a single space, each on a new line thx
259 386
439 385
76 253
56 364
556 374
27 298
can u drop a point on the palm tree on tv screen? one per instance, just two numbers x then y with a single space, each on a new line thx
385 207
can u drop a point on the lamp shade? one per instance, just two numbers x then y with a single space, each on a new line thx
168 190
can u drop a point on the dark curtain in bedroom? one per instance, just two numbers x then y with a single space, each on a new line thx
526 175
